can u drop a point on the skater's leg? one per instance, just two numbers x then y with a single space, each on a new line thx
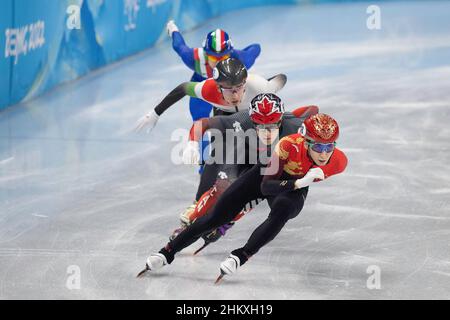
228 206
284 207
202 206
207 179
207 201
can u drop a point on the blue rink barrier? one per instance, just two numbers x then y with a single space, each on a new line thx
47 42
5 64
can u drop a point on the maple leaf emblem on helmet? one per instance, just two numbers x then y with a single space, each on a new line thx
266 106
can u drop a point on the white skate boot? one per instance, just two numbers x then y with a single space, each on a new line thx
229 266
154 262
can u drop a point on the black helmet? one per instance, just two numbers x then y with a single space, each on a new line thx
230 71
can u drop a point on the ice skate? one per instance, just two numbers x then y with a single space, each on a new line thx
228 267
154 262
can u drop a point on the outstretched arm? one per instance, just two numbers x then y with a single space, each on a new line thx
272 185
173 97
248 55
199 127
150 119
191 153
305 112
186 53
179 45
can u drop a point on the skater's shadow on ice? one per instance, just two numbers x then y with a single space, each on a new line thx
206 254
207 279
155 275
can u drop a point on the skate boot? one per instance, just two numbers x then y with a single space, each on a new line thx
154 262
184 220
228 267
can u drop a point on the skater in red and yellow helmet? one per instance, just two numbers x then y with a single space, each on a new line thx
300 160
264 124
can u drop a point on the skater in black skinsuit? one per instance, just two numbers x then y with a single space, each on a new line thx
298 161
217 176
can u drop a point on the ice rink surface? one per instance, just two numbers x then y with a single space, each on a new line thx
77 192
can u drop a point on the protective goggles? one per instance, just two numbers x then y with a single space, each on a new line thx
217 58
321 147
270 126
232 89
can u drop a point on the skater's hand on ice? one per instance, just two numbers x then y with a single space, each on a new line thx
191 154
310 176
171 28
148 121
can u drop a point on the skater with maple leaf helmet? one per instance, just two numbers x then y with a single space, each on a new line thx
298 161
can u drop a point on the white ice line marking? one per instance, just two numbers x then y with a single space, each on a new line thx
39 215
442 273
5 161
349 209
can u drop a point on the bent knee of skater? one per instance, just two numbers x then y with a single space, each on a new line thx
284 204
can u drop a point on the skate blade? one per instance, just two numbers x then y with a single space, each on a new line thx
140 274
203 247
219 279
